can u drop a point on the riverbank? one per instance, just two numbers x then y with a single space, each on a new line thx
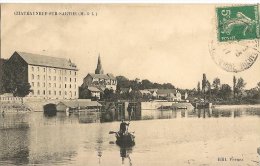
237 106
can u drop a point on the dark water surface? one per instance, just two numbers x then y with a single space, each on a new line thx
182 137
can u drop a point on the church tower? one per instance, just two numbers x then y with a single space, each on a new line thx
99 69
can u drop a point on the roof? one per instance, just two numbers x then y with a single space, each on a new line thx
166 91
145 91
43 60
111 76
93 89
103 76
80 103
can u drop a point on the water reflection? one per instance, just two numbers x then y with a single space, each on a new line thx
199 113
125 155
14 146
32 138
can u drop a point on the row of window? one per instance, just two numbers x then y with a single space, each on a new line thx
54 70
54 93
54 78
54 85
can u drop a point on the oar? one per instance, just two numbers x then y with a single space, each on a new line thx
112 132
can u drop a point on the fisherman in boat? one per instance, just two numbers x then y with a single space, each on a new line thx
123 127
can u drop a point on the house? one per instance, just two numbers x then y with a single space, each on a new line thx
169 94
184 96
153 92
145 92
94 92
125 90
99 79
77 104
49 77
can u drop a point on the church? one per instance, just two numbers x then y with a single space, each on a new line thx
99 79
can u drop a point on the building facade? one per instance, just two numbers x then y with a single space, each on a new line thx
99 79
49 77
169 94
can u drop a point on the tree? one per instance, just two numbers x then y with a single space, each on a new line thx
216 84
225 91
14 81
204 84
208 87
198 87
258 86
108 94
234 86
135 95
23 89
240 85
146 84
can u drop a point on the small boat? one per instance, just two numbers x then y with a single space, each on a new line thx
125 140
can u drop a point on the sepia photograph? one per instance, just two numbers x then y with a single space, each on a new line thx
129 84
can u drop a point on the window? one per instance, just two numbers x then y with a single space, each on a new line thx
65 93
70 72
32 92
38 77
75 73
32 76
38 92
43 77
65 86
49 84
49 77
54 92
65 78
44 70
70 85
32 84
38 84
54 78
38 69
60 78
75 79
59 92
70 79
60 71
49 92
54 85
75 93
32 68
60 86
65 71
43 92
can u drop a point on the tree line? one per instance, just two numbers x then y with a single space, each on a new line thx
217 92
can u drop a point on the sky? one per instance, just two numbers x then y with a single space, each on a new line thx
162 43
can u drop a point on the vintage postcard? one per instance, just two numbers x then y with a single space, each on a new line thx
130 84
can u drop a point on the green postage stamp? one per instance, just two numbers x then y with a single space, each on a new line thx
238 23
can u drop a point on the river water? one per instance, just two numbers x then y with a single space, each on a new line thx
220 136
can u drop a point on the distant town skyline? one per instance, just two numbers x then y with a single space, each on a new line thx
163 43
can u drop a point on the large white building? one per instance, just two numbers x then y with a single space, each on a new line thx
49 77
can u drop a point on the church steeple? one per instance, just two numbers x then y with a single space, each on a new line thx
99 69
